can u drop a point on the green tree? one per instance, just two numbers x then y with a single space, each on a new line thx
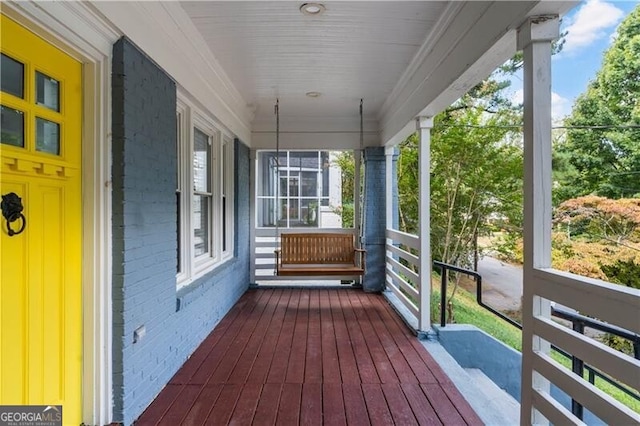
346 162
476 174
606 161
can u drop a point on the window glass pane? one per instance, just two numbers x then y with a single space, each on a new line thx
12 125
201 224
225 170
293 186
327 168
265 213
267 173
282 159
178 194
178 239
47 136
224 223
309 184
304 160
201 161
12 76
47 91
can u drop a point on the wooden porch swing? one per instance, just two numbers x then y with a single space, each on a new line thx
316 254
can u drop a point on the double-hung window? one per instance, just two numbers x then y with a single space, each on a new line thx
204 194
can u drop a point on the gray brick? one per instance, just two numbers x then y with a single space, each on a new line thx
374 210
144 234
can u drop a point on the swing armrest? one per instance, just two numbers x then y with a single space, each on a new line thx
277 253
363 254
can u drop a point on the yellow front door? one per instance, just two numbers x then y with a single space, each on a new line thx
40 291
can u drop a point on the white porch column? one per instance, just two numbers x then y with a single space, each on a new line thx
388 185
534 38
424 125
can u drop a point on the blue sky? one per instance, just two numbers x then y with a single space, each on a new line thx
591 26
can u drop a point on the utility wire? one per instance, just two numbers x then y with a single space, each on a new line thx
519 126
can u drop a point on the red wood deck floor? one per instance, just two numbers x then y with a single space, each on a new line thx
288 357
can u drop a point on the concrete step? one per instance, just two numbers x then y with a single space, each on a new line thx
498 397
494 406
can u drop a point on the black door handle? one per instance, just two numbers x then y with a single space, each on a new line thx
11 206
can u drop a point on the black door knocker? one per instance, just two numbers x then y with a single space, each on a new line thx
12 210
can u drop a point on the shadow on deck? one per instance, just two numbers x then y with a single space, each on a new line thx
310 356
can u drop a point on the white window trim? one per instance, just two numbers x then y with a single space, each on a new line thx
193 267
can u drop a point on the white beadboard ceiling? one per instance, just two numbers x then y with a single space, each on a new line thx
376 50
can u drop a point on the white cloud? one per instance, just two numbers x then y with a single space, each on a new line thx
590 23
560 106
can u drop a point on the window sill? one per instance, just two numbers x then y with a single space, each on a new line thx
191 289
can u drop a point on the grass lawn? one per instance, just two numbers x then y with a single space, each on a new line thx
467 311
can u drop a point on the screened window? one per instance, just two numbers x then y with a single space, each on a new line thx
295 187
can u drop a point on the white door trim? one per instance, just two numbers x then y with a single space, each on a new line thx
77 29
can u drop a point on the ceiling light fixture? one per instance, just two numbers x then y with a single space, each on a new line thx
313 94
312 9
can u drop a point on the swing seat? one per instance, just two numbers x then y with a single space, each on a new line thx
319 254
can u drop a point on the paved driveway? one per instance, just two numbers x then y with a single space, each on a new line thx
501 284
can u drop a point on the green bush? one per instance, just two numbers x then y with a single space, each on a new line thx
625 272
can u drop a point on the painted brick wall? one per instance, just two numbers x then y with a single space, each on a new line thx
375 224
144 239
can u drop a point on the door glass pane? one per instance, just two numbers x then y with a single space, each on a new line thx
283 185
294 207
12 76
12 125
201 161
201 224
47 136
47 91
309 212
282 213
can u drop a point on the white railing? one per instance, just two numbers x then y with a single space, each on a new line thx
613 304
401 277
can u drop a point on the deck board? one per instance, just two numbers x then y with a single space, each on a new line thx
267 410
202 405
289 408
180 406
313 365
310 357
225 404
247 404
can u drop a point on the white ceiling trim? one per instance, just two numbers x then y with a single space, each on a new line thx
465 42
178 49
447 17
184 23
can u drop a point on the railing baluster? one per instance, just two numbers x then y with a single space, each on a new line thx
443 297
577 366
